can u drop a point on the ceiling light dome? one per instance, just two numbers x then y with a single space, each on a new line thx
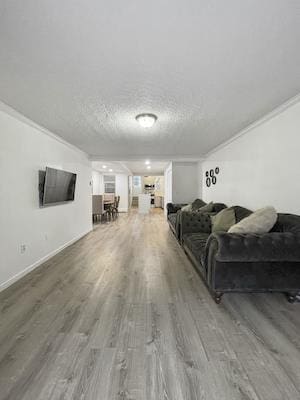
146 120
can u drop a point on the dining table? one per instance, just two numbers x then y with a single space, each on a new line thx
108 202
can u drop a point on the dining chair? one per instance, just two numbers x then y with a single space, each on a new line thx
116 206
98 207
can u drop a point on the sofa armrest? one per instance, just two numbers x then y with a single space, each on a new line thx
172 208
195 222
269 247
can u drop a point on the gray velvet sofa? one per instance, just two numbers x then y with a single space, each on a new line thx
174 216
231 262
172 210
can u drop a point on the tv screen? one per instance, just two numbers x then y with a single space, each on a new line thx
59 186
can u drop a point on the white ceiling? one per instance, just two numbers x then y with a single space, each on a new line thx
131 167
207 68
108 167
140 168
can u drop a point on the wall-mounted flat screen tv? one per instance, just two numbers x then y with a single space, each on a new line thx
59 186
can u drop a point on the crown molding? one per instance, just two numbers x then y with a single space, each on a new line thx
272 114
163 158
22 118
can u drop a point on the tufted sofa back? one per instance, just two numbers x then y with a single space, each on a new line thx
194 222
172 208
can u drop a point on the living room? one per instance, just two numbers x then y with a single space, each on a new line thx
149 212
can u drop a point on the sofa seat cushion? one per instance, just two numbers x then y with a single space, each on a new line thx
196 242
172 219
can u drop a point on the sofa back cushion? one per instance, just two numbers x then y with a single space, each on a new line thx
172 208
198 203
218 207
241 212
188 207
261 221
222 221
287 223
208 208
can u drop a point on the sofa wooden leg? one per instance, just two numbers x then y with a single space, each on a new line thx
218 297
291 297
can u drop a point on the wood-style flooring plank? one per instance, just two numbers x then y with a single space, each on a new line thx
122 314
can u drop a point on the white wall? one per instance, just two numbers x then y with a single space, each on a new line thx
260 167
159 186
181 181
168 186
130 191
200 180
98 184
122 191
24 150
185 182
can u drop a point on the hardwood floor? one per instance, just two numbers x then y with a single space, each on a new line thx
122 314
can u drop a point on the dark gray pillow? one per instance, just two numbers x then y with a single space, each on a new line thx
198 203
241 212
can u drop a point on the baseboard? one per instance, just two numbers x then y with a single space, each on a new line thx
31 267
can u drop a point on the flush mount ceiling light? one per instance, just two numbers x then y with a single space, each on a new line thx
146 120
149 167
104 166
110 170
147 162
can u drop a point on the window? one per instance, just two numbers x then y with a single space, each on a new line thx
137 181
109 184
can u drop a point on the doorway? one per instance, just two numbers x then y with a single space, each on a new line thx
154 186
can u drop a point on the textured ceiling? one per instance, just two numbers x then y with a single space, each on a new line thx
131 167
108 167
207 68
140 168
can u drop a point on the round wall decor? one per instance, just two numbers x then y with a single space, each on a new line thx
211 177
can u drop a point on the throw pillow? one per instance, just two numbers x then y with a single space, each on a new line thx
187 208
198 203
222 221
261 221
208 208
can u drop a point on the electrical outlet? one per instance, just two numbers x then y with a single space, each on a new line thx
23 248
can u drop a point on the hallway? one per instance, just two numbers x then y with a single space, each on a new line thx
122 314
